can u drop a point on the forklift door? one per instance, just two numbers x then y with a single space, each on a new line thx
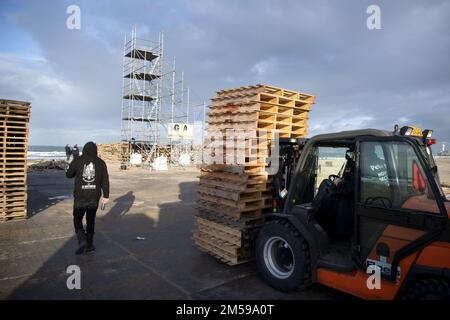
397 204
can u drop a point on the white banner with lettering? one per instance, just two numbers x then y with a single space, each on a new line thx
180 131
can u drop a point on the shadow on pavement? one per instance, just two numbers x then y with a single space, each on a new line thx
46 189
122 267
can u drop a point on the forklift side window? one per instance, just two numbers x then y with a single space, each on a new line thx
393 177
330 161
321 162
304 186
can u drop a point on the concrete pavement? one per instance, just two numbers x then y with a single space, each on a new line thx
158 206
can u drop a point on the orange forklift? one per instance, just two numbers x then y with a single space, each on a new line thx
359 204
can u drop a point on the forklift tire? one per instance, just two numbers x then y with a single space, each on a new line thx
429 289
282 257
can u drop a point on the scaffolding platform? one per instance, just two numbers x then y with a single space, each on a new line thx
141 54
142 76
139 119
138 97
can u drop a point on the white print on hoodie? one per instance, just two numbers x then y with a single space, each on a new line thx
88 177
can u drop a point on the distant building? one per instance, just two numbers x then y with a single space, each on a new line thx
444 152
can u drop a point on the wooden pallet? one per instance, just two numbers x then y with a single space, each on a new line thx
231 212
11 201
216 183
285 131
232 235
250 169
258 116
302 104
225 239
246 203
263 89
217 248
15 217
241 224
14 119
246 188
299 131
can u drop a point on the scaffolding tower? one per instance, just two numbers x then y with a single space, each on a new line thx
142 88
154 97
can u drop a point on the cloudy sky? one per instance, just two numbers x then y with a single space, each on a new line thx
361 77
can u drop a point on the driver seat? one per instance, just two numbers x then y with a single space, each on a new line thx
333 204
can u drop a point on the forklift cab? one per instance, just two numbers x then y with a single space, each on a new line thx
394 210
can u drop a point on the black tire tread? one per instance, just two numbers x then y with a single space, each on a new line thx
306 281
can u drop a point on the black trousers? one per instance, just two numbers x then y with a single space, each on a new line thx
78 214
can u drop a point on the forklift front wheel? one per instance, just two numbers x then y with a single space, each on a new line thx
278 257
282 256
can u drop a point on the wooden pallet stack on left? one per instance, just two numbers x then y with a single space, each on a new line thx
14 120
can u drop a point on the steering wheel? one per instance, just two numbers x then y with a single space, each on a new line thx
386 202
333 177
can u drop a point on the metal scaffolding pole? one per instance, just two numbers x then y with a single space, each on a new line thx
173 92
203 127
187 106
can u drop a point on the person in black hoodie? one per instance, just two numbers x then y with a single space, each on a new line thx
91 184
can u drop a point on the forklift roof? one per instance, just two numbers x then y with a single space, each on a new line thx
343 135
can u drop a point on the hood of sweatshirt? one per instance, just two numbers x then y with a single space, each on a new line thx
90 149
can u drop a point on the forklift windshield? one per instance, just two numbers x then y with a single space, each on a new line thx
392 175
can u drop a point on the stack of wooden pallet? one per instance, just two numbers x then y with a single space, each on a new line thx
14 118
232 197
261 107
112 152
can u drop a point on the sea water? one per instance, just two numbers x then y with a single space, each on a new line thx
46 152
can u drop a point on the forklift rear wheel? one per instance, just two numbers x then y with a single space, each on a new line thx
282 256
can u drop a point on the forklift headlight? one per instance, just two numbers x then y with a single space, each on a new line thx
427 134
411 131
406 131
